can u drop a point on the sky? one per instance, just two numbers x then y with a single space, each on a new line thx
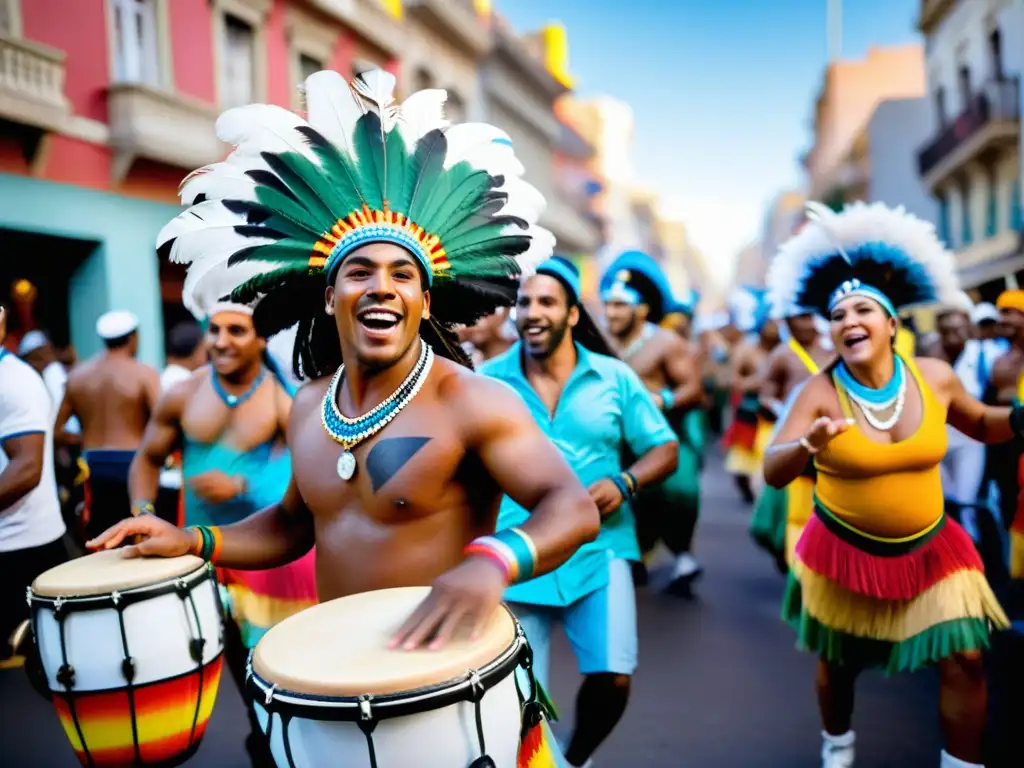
722 91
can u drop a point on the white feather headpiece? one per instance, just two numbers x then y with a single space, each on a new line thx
865 248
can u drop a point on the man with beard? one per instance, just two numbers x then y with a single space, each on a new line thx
113 396
636 295
748 432
400 455
596 409
780 514
230 419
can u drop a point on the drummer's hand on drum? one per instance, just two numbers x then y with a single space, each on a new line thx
157 538
468 593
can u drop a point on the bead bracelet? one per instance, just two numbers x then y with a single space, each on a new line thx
512 549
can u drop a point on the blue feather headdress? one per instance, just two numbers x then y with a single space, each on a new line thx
749 308
866 249
637 278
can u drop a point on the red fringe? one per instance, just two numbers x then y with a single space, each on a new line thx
900 577
740 433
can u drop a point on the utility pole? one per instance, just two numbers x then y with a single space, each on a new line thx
834 29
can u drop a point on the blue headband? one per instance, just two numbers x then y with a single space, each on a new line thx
377 233
563 272
855 287
619 291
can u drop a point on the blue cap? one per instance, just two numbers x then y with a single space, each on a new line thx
565 272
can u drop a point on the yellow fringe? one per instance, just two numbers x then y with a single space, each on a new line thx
961 595
1016 555
740 461
793 533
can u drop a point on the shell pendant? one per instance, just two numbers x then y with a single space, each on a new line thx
346 465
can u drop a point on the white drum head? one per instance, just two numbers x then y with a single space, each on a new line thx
103 572
339 648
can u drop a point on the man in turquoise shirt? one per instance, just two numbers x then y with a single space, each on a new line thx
593 407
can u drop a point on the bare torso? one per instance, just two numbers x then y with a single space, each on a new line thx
205 418
1006 373
418 496
113 397
791 370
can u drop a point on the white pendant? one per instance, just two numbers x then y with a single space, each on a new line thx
232 399
346 465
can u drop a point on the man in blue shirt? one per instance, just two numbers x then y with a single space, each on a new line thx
594 408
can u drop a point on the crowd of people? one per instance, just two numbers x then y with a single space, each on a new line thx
883 479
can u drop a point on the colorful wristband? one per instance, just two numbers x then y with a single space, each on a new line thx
511 546
631 481
209 544
667 399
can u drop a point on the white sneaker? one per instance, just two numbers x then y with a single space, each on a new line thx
837 751
948 761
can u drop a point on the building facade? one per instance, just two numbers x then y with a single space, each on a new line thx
971 159
851 91
103 114
895 131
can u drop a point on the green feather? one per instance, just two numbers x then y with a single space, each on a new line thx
425 167
369 151
397 162
339 169
304 180
288 208
287 250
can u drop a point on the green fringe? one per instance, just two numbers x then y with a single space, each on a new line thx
922 650
768 523
546 703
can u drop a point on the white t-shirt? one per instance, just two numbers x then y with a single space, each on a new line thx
172 374
25 406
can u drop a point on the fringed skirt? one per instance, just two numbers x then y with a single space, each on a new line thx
898 605
768 523
1017 529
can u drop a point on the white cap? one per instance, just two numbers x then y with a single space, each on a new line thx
984 312
32 341
116 324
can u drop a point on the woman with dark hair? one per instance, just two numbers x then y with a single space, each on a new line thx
881 577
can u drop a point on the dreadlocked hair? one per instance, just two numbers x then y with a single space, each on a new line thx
591 336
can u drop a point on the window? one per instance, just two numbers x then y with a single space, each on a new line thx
421 80
10 22
966 232
455 109
1016 207
940 106
991 199
995 50
964 84
136 47
944 219
308 66
238 70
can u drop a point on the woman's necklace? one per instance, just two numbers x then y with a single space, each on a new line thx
348 433
637 344
873 402
233 401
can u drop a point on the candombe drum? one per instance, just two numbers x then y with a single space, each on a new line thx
131 653
328 691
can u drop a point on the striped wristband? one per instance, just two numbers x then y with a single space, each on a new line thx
511 549
208 545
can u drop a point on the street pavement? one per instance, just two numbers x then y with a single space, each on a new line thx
720 684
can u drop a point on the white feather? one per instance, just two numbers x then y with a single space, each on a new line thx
261 128
332 108
208 215
221 181
421 113
377 86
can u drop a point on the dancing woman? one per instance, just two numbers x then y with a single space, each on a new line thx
881 577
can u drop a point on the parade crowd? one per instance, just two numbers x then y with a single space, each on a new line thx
320 437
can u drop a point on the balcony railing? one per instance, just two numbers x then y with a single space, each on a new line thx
32 83
998 101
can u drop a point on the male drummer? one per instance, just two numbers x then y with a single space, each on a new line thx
113 396
601 410
400 459
636 297
31 525
231 418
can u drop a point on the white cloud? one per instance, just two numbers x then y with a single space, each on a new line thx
720 229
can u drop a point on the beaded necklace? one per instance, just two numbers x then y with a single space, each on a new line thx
637 344
233 401
348 433
875 401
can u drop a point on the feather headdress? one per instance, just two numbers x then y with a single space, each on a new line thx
636 278
296 196
749 308
867 249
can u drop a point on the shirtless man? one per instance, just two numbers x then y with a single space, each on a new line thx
636 295
113 396
230 418
748 430
491 335
781 514
407 494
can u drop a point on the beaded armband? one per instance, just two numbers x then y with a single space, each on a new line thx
510 549
208 543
